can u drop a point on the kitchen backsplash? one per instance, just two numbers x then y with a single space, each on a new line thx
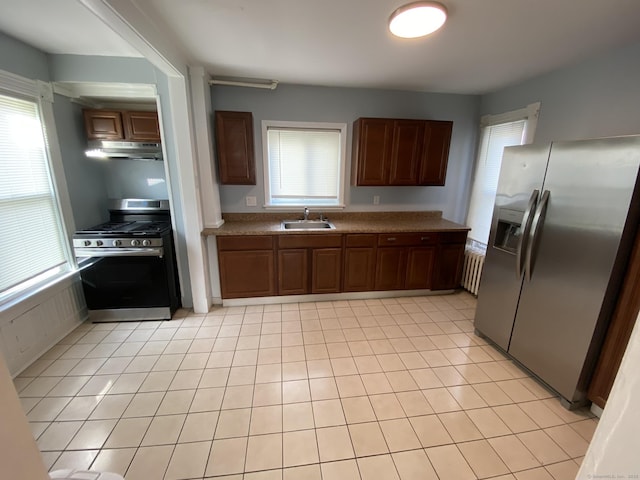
135 179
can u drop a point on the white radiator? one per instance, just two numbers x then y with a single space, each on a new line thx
472 270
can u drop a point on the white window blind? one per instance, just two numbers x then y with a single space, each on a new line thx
483 194
304 166
31 236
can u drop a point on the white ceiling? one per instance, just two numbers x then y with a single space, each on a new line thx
485 45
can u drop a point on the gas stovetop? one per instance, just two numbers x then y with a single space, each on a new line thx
132 228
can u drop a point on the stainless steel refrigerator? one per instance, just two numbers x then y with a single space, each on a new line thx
563 224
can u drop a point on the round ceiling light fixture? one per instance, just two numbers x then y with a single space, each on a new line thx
417 19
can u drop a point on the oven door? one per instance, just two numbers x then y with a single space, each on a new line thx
124 279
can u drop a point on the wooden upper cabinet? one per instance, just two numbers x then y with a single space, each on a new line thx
406 152
121 125
435 152
234 142
400 152
103 124
371 151
141 126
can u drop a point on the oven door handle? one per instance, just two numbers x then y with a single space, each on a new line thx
119 252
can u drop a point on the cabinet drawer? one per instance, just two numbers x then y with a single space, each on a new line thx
245 242
453 237
407 239
309 241
361 240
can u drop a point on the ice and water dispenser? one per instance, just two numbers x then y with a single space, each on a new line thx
508 230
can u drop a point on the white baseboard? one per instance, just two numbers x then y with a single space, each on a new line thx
325 297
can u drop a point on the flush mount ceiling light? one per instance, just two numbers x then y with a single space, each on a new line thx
417 19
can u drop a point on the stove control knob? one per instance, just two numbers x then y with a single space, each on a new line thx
116 243
98 243
135 243
146 243
87 243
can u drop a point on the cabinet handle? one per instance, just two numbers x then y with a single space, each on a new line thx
423 239
391 239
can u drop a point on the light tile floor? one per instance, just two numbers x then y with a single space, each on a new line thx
396 388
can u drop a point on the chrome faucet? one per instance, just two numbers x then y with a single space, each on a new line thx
306 213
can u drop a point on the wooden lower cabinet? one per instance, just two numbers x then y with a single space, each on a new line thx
448 266
309 264
404 268
268 265
390 268
293 272
419 267
405 261
247 266
326 270
359 262
359 269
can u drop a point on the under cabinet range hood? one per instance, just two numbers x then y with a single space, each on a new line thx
124 150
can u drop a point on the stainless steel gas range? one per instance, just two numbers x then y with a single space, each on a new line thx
128 265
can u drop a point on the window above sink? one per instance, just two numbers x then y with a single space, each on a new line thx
304 164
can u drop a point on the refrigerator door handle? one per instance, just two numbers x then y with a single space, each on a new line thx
527 219
532 247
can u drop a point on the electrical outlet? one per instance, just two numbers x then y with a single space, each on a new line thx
251 201
376 199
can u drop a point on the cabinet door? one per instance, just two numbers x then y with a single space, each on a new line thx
359 269
419 267
141 126
326 270
406 152
448 266
293 272
390 268
234 142
372 149
103 125
248 273
435 152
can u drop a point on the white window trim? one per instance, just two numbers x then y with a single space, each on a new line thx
342 127
529 113
42 93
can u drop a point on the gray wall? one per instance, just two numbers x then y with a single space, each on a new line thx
85 68
595 98
22 59
344 105
135 179
85 176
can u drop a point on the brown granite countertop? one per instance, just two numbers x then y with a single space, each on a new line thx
345 222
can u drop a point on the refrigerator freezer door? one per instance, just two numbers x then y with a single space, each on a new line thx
591 184
522 173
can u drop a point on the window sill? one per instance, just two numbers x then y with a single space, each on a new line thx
25 298
297 208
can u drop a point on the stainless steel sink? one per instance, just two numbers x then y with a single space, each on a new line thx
307 225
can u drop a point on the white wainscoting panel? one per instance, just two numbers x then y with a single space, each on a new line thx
30 328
